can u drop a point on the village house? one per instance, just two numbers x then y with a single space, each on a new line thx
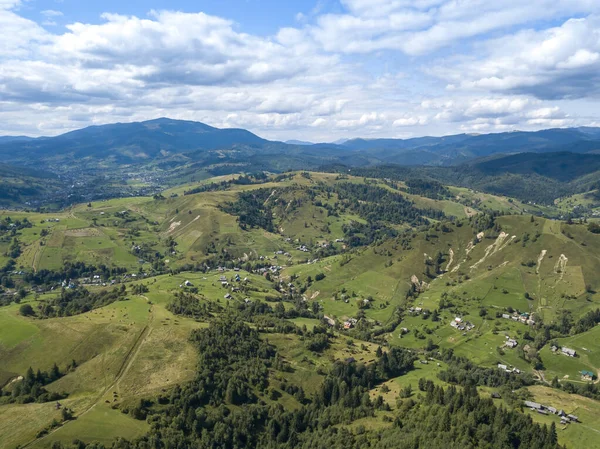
350 323
510 343
587 376
461 325
533 405
547 410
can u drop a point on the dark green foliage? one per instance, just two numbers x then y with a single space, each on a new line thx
31 388
428 188
243 180
539 178
26 310
189 305
463 372
375 204
252 209
594 227
361 234
72 270
79 300
317 343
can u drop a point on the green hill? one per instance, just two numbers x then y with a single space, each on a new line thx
222 312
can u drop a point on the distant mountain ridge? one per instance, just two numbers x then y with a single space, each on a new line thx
298 142
131 142
6 139
168 144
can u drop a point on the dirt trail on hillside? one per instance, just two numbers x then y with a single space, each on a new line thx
175 226
491 249
123 369
36 257
561 266
451 254
267 200
508 242
539 261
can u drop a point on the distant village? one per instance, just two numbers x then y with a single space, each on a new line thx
524 317
547 410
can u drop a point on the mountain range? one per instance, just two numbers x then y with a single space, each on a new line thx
162 139
532 166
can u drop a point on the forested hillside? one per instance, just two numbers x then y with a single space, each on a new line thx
299 310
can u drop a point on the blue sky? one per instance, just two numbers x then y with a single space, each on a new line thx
309 70
262 17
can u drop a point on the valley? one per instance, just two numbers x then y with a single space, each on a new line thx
327 269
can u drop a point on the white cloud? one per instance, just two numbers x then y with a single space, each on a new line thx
560 62
332 76
51 13
420 27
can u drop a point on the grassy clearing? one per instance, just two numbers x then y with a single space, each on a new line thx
101 424
572 435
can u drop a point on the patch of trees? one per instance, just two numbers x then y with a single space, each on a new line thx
485 222
587 389
8 226
361 234
31 387
79 300
188 305
378 204
14 250
243 180
461 371
428 188
72 270
594 227
252 209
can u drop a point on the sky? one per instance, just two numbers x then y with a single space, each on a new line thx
313 70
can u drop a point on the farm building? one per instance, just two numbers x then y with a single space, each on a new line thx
569 352
587 375
533 405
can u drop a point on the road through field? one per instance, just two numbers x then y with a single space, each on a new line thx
128 361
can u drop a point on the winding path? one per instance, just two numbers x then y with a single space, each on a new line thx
123 369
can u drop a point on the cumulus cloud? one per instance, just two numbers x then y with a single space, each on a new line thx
374 69
556 63
420 27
